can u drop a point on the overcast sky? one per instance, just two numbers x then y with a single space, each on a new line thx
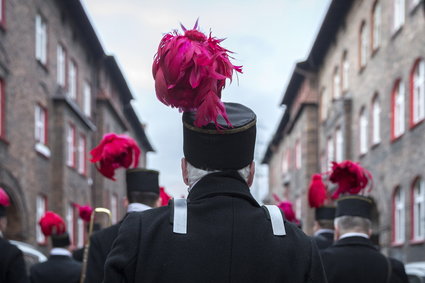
268 37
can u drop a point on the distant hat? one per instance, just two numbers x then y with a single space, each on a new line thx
354 205
319 199
142 180
52 225
324 213
4 202
221 147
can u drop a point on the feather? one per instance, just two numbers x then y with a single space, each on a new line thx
190 72
85 212
317 192
288 211
4 198
165 198
51 223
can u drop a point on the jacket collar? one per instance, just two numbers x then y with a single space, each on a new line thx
221 183
355 241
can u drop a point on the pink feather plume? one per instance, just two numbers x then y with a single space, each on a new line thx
286 207
51 223
4 198
190 71
317 192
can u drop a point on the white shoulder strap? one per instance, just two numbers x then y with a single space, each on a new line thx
180 216
276 218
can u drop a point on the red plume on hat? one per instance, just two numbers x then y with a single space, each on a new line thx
317 193
164 196
190 71
288 211
4 198
350 177
113 152
51 223
84 211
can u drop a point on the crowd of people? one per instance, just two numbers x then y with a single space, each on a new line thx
219 233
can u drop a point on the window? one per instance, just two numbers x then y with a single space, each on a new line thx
418 210
41 208
339 145
87 99
80 232
376 26
324 104
398 110
376 124
417 91
70 145
40 124
2 12
72 79
298 155
399 6
330 152
40 39
2 109
399 215
70 220
363 131
82 168
61 65
285 162
345 71
336 84
363 45
114 208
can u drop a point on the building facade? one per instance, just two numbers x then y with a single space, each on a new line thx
59 94
367 66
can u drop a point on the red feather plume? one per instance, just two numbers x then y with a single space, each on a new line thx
113 152
4 198
317 192
190 72
286 207
51 223
164 196
350 177
85 212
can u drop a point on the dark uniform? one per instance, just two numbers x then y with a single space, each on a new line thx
57 269
324 240
12 264
356 259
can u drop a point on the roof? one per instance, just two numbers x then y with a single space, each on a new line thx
118 77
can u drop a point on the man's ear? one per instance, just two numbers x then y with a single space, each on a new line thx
184 171
158 202
251 174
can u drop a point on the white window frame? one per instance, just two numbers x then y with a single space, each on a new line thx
80 233
70 222
399 110
345 71
41 207
298 154
114 208
376 121
377 25
339 145
72 80
399 14
336 84
418 91
364 45
82 145
41 39
418 206
324 104
70 145
399 216
87 99
40 127
330 153
61 65
363 132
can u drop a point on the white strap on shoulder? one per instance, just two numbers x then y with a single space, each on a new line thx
180 216
276 218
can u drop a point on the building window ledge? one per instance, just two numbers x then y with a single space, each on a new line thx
397 244
417 241
42 149
396 32
416 124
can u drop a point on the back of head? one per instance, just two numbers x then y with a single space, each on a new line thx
142 186
352 224
52 225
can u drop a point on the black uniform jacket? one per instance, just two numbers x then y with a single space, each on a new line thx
324 240
229 239
100 246
12 265
356 259
57 269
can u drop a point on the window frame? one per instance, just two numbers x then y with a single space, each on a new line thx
402 221
336 84
70 223
417 100
73 80
41 39
376 120
87 94
339 145
345 72
71 145
285 162
417 221
298 154
363 45
60 49
330 152
396 132
81 152
399 15
363 132
376 27
39 236
114 208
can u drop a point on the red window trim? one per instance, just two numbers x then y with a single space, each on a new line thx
44 243
393 242
411 93
412 212
3 16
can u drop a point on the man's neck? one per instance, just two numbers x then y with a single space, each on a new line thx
60 251
322 230
354 234
137 207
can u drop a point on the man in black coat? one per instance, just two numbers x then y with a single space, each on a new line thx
12 264
142 194
60 267
324 226
353 258
220 233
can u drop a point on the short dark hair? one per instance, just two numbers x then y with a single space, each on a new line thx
147 198
326 224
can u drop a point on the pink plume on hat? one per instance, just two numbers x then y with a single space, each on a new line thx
4 198
317 192
84 211
164 196
286 207
52 223
190 72
113 152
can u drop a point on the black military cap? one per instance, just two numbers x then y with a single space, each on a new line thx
62 240
325 213
142 180
223 148
354 205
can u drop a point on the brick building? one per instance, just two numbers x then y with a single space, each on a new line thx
366 71
59 94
